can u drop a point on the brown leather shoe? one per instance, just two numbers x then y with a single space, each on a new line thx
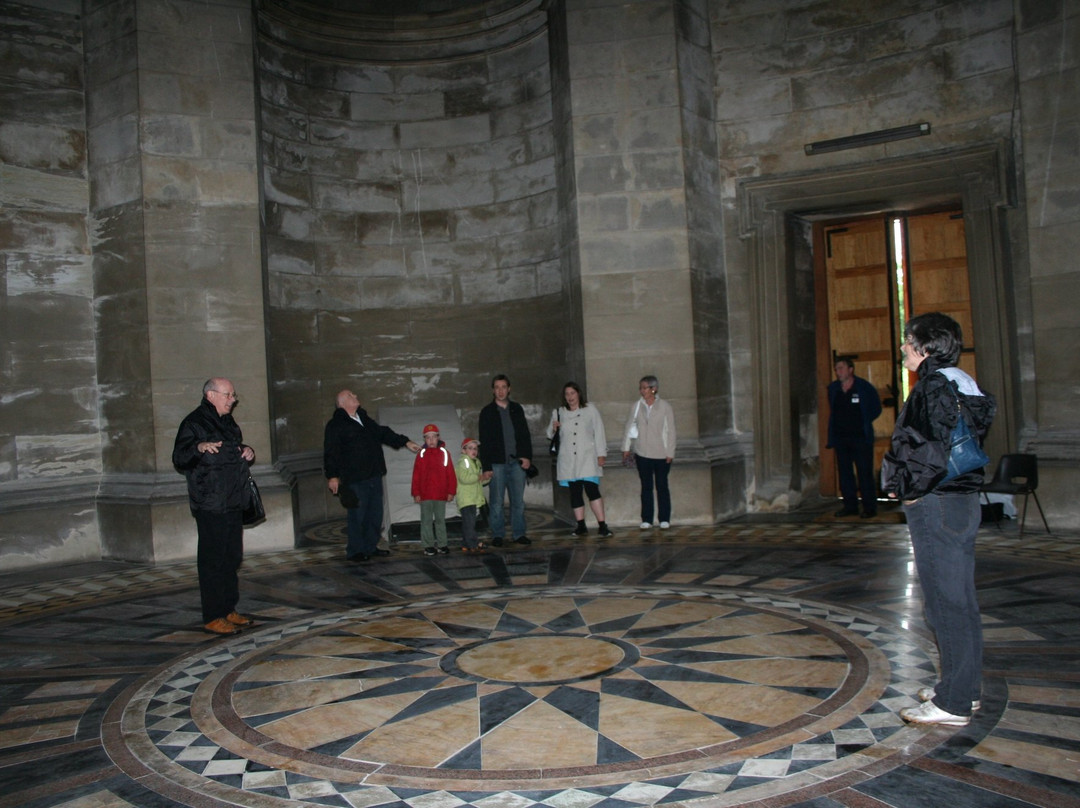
238 619
221 626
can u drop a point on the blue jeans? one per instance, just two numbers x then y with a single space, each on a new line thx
943 528
507 478
364 522
648 469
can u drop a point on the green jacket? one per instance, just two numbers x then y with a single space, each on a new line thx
470 491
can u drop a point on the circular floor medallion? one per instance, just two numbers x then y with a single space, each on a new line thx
601 684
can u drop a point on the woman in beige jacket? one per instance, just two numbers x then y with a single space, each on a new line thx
651 428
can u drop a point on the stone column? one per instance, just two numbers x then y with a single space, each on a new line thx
177 260
1048 67
642 160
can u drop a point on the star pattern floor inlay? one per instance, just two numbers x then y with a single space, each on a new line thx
658 683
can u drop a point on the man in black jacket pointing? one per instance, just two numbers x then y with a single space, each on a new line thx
354 467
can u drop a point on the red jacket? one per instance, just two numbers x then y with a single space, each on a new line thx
433 475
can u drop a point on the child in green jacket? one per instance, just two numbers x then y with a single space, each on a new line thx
470 494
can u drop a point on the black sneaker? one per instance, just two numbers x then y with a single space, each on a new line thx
523 540
429 551
581 531
497 542
604 532
444 551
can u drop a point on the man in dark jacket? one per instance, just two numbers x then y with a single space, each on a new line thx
354 467
505 456
209 451
853 406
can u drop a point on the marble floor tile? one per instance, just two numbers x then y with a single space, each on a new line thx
756 662
1047 759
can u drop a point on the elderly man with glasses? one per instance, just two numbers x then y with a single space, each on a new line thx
209 451
354 466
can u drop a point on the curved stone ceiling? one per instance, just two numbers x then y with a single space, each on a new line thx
405 31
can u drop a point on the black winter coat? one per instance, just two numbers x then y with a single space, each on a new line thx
491 435
352 452
216 482
917 461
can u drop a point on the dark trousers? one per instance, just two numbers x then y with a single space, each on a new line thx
364 522
468 526
652 470
943 528
221 550
854 456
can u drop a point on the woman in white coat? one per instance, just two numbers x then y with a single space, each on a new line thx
582 452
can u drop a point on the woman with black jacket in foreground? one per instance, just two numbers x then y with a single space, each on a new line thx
943 515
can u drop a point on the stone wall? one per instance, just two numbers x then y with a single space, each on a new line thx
646 249
125 375
790 73
141 236
629 174
412 227
178 260
1048 71
50 437
711 303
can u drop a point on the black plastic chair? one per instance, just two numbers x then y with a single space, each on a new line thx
1016 474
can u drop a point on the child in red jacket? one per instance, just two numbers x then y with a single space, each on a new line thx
434 483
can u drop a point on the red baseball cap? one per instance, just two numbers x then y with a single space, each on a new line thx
431 428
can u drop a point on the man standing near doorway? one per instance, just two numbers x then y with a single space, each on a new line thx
505 456
853 406
354 466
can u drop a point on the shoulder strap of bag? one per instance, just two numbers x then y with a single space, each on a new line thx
952 386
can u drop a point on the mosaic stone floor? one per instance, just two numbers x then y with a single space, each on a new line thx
761 662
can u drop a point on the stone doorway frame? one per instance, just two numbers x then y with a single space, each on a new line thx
978 179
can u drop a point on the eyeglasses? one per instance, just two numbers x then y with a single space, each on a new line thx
232 396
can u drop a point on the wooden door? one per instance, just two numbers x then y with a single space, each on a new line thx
938 273
872 275
859 296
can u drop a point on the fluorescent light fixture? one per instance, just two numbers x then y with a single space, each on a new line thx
868 138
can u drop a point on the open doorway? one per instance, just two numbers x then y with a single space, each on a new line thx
872 274
775 213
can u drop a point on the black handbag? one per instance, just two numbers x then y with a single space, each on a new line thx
253 504
553 447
